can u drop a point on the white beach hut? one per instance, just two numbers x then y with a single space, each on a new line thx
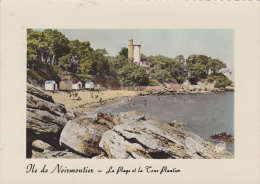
77 85
96 86
50 85
89 85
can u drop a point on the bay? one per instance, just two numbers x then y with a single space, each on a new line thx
204 113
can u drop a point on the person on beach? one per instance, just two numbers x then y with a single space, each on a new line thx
100 101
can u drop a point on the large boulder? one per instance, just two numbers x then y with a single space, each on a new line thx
45 119
143 137
35 91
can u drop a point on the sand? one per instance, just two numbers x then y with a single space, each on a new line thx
87 103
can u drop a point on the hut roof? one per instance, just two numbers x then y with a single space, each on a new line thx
88 82
49 82
76 82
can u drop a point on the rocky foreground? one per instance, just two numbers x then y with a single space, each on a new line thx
56 132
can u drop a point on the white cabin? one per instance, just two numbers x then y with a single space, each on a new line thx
89 85
96 86
50 85
77 85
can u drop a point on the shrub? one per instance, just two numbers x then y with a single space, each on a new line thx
221 80
33 75
153 82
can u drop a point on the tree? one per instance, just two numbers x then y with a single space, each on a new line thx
124 52
143 57
85 65
133 75
100 62
161 75
58 44
221 80
215 65
198 65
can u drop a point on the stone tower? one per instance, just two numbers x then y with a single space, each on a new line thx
131 51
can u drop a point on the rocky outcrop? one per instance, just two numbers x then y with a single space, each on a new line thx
45 119
132 135
204 84
142 137
178 124
84 134
55 154
222 136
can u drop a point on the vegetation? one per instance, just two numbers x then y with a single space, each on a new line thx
33 75
153 82
132 75
222 80
51 51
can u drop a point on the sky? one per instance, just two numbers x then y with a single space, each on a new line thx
216 43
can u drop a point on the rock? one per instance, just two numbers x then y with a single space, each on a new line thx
222 136
178 124
47 117
137 136
35 91
40 126
205 85
105 120
55 154
70 114
42 145
38 103
44 121
83 136
229 88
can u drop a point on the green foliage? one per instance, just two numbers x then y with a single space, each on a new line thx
124 52
198 65
116 63
222 80
161 75
85 65
132 75
143 57
85 76
48 72
57 43
174 67
33 75
153 82
215 65
99 62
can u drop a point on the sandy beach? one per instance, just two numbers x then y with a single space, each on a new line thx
86 102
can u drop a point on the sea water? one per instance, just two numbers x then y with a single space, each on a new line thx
204 113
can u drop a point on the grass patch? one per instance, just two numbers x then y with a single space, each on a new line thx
33 75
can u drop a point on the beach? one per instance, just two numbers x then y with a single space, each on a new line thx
86 102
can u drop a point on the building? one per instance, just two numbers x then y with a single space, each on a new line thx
50 85
134 52
77 85
89 85
96 86
66 85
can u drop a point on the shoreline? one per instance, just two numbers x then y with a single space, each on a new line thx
88 104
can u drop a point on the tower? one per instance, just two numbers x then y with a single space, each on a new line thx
131 51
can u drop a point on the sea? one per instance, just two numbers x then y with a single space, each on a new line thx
204 113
